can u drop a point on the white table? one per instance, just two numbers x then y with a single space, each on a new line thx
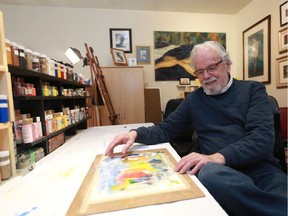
51 187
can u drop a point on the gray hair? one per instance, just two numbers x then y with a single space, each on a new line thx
223 54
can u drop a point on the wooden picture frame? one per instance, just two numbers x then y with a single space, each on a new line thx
256 51
139 178
282 72
283 40
121 39
119 57
143 54
284 14
184 81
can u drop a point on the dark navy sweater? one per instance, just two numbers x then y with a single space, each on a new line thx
237 123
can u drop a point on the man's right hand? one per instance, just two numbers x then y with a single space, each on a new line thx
126 139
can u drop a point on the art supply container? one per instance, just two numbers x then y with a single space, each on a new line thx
5 165
3 109
27 130
22 57
8 52
15 54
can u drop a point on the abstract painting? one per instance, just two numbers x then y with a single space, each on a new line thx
172 52
139 178
256 51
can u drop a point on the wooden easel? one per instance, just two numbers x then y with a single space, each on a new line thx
96 74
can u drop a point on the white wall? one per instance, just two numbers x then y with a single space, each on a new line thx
52 30
248 16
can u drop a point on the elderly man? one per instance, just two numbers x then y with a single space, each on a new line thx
235 129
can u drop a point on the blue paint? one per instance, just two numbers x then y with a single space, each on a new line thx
25 213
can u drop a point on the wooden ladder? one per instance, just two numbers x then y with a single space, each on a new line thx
96 73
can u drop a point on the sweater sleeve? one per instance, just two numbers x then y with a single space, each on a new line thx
258 141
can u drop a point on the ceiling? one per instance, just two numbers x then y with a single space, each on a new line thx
190 6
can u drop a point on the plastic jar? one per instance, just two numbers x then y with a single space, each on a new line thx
29 59
8 51
21 55
56 68
5 165
51 67
43 63
14 53
3 109
35 61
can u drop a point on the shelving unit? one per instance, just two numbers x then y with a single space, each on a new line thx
6 134
37 105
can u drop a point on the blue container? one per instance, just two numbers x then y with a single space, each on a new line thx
3 109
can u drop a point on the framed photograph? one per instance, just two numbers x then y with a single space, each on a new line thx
282 72
184 81
139 178
121 39
119 57
284 14
143 54
283 40
256 51
132 62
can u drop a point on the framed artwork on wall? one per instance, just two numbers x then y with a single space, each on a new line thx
282 72
184 81
119 57
256 51
143 54
284 13
172 52
121 39
283 40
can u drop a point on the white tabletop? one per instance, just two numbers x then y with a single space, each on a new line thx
51 187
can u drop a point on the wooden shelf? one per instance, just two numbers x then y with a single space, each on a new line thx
6 133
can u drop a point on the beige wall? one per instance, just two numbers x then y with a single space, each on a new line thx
251 14
52 30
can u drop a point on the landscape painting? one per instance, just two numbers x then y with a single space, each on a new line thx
172 52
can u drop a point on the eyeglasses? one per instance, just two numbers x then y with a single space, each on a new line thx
209 69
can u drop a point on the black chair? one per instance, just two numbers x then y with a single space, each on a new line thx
187 141
279 148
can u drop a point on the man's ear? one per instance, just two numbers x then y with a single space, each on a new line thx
228 66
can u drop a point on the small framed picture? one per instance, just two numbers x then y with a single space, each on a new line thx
132 62
284 14
282 72
283 40
119 57
143 55
184 81
121 39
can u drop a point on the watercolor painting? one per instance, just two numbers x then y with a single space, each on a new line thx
136 179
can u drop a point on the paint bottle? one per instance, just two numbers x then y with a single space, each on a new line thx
8 52
3 109
14 52
27 130
21 55
39 127
29 59
35 61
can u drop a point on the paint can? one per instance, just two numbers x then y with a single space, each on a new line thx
5 168
3 109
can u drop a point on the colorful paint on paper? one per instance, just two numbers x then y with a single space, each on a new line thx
126 175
